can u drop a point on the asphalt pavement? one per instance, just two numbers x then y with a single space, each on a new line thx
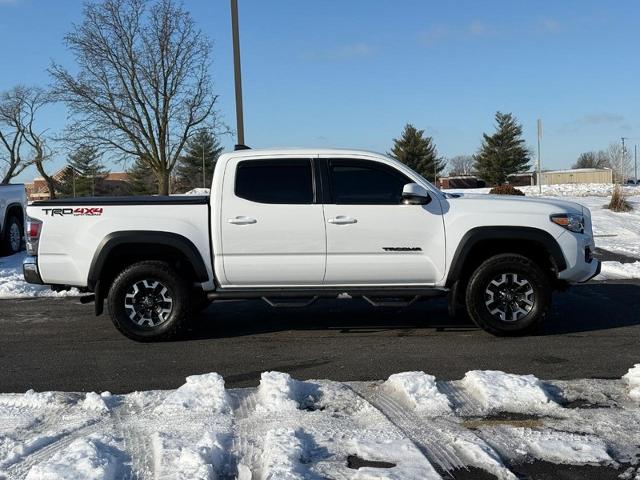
57 344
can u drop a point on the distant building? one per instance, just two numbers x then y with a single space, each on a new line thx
115 183
578 175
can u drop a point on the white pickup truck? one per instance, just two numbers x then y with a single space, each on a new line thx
13 204
292 226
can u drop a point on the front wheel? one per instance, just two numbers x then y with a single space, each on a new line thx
150 301
508 295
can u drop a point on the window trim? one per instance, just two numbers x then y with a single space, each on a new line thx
315 188
329 197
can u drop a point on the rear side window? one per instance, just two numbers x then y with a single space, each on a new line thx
360 182
275 181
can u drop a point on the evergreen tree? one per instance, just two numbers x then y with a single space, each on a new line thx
418 152
142 179
504 152
85 174
189 169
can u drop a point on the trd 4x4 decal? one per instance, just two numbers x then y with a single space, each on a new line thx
76 212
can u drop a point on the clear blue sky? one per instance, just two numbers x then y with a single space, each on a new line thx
352 73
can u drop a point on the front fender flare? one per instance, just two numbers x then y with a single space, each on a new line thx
480 234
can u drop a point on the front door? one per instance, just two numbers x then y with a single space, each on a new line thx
272 227
372 237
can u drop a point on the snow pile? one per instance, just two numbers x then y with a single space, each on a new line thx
289 429
282 456
505 392
85 458
277 392
632 377
200 393
180 460
548 445
419 391
35 400
94 402
409 462
12 284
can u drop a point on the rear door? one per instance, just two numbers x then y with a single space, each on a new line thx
372 237
272 225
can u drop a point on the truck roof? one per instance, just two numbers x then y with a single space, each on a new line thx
301 151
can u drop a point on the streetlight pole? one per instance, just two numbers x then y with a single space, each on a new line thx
635 162
237 74
539 160
204 175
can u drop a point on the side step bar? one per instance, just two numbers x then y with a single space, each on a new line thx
298 297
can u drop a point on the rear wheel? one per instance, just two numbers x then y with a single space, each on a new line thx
13 235
150 301
508 295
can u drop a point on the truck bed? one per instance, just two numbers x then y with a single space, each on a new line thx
75 230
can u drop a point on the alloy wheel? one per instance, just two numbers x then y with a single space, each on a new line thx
509 297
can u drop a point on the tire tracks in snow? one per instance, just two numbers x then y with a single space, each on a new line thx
432 436
49 445
247 454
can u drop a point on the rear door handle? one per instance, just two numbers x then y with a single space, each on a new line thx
242 220
342 220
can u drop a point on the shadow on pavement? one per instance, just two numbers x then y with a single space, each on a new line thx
583 308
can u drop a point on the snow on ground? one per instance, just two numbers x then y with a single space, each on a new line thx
12 284
287 429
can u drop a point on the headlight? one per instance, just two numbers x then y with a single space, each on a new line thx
570 221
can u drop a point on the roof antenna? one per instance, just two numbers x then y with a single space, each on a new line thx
237 75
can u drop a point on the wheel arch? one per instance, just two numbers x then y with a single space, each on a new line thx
12 209
480 243
125 247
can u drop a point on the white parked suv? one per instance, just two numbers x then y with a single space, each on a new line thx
13 204
292 226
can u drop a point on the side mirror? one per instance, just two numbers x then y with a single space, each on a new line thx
414 194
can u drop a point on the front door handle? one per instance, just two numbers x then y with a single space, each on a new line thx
242 220
342 220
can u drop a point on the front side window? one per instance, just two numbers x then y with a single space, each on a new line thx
275 181
361 182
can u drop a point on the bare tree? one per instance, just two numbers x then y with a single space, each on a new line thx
12 134
593 159
24 143
142 85
461 165
620 161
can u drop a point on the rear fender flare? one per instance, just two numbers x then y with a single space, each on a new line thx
143 237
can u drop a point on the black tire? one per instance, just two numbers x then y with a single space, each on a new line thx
7 246
176 299
508 295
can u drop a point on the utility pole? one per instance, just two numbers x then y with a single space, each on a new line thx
204 175
623 159
539 160
635 162
237 74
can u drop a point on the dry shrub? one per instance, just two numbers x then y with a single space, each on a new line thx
506 190
618 202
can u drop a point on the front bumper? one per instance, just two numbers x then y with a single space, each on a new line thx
30 270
